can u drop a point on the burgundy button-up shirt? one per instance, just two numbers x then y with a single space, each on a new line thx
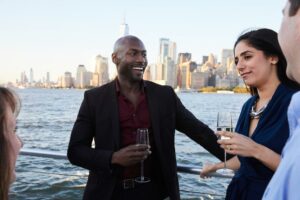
131 119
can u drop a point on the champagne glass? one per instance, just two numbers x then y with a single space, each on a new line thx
142 137
224 123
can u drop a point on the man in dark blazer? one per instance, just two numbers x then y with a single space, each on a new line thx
111 114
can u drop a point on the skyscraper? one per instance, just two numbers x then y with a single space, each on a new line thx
167 49
31 80
225 54
67 81
165 68
124 29
24 79
164 45
184 57
81 77
102 69
183 70
48 77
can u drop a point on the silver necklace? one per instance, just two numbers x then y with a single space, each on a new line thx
257 114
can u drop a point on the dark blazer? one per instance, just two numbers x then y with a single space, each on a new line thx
98 118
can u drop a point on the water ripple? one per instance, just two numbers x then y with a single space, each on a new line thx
46 120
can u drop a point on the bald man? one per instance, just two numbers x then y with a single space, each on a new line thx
111 114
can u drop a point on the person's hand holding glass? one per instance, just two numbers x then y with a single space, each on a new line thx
224 123
224 127
142 137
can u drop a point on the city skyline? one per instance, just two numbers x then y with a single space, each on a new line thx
57 36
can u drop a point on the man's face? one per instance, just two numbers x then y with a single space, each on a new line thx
131 60
289 40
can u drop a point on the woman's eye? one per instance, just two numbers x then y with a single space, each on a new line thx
247 57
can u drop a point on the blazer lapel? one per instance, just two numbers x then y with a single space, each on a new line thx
154 113
114 114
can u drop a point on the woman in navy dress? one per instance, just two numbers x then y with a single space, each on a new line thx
262 128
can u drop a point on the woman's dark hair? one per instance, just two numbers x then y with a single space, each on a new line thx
294 7
7 99
266 41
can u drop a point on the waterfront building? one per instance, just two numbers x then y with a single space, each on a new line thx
185 70
152 68
81 81
204 59
225 55
124 29
31 78
164 45
147 73
48 77
67 80
184 57
102 70
199 79
170 72
222 82
95 80
159 71
24 79
165 72
47 82
181 77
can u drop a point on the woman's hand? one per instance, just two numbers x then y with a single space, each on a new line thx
208 169
238 144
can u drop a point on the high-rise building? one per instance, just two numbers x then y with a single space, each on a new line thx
204 59
147 74
170 72
184 57
48 77
102 69
199 79
95 80
31 80
186 74
225 54
211 60
24 78
67 81
164 45
183 70
83 77
166 62
167 49
124 29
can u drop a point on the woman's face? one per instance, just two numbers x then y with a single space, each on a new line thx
14 140
253 66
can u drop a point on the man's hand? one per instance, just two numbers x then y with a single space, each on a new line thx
131 155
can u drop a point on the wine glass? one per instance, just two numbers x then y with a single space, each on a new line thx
224 123
142 137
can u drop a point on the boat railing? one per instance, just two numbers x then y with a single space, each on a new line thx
60 155
185 169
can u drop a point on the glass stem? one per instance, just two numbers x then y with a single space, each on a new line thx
225 158
142 170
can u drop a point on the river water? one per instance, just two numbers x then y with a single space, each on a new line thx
46 120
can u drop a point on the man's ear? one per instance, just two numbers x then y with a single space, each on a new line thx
114 58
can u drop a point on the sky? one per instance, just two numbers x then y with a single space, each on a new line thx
58 35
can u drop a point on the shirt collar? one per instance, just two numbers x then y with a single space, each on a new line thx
118 87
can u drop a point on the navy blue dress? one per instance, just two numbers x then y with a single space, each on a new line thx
272 131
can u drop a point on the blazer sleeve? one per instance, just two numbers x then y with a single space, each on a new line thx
188 124
80 151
